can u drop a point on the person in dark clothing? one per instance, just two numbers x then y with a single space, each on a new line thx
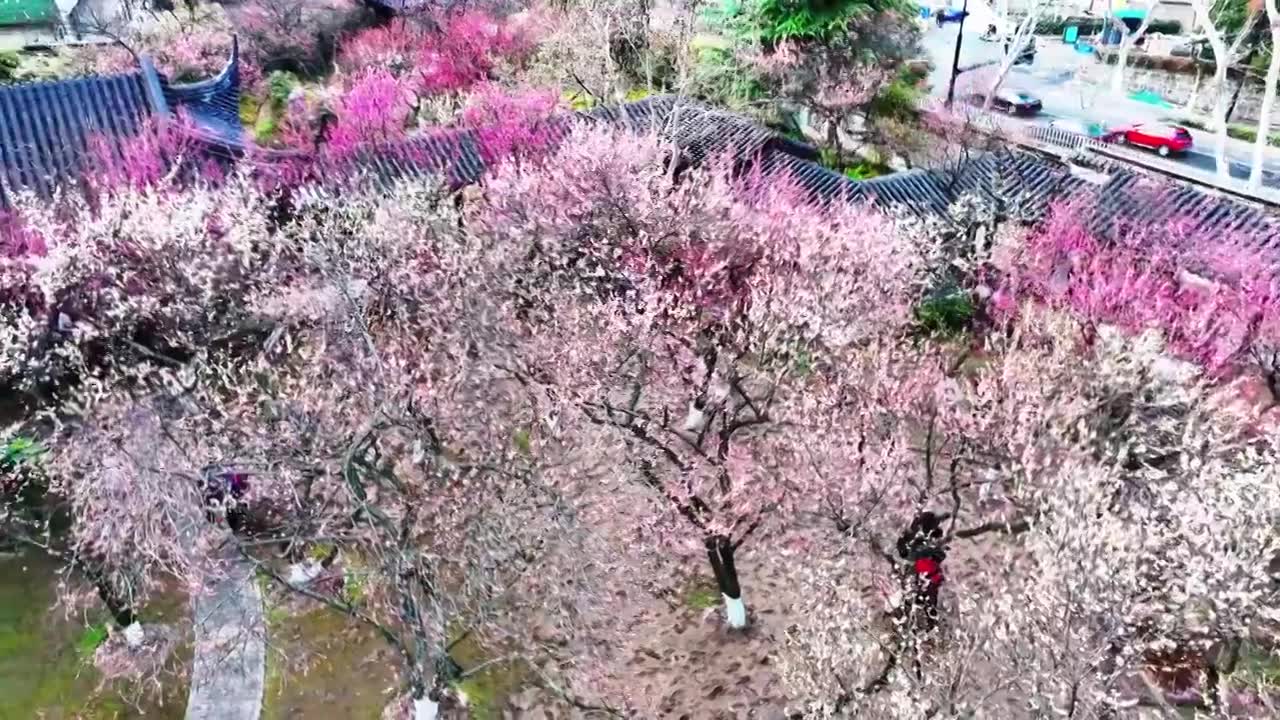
224 497
925 530
921 545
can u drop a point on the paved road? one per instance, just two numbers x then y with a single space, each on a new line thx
228 677
1058 78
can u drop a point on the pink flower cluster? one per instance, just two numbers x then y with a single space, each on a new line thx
511 123
144 159
1215 298
375 110
465 50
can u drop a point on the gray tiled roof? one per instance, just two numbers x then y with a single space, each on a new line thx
1022 184
213 104
46 128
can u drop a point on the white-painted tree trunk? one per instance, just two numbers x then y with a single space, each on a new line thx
1268 99
1127 41
425 708
1220 122
1223 56
735 612
1117 74
134 636
1019 38
304 572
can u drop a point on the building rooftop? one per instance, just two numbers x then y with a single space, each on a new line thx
1018 183
47 128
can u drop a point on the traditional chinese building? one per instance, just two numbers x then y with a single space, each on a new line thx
48 129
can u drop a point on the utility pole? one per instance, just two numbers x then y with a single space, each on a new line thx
955 62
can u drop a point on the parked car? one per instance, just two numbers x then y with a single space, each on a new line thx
1014 102
946 15
1164 139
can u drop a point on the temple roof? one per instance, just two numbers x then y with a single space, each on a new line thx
1019 183
47 128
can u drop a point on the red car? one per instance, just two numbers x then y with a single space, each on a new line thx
1164 139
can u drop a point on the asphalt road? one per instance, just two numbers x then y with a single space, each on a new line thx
1055 78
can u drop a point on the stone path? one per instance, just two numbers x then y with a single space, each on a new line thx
227 676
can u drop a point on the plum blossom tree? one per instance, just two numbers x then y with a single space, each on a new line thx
512 124
419 465
833 82
1213 297
373 112
441 52
688 320
1140 547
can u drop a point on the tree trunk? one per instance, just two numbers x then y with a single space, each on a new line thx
1117 75
720 553
121 610
1127 41
426 697
1268 100
1020 37
1220 122
1222 61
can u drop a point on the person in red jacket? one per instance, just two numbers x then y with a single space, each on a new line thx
922 546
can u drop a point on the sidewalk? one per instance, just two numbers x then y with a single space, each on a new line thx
227 678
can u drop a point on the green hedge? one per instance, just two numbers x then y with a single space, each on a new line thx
1094 25
1248 133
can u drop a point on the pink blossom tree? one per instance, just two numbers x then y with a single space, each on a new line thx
689 322
513 124
1213 298
374 112
439 52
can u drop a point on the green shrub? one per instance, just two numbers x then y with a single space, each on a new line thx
865 171
522 441
91 639
579 101
720 78
354 582
899 99
1248 133
772 21
947 313
20 451
280 84
9 62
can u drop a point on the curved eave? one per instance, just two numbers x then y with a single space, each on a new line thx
212 105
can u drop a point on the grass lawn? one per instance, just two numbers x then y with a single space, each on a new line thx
45 667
